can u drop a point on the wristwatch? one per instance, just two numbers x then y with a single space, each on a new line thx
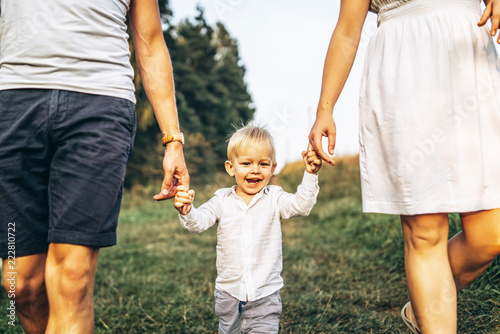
168 138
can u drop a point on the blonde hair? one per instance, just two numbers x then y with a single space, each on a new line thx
247 135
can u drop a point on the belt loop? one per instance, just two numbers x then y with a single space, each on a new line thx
240 306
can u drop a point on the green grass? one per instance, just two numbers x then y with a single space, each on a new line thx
343 269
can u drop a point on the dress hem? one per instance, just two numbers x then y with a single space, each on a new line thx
424 208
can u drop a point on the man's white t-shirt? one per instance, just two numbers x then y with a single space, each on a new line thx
73 45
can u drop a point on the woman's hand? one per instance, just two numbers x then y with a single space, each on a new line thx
492 12
324 126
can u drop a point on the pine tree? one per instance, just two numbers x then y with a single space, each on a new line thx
211 98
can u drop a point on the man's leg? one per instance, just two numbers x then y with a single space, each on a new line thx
24 172
27 288
70 273
94 137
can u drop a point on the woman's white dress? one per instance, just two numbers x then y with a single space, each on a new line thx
430 110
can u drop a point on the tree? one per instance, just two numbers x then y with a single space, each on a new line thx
211 97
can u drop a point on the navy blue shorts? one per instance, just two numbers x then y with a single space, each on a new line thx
62 165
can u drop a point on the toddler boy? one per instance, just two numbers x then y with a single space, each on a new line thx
249 254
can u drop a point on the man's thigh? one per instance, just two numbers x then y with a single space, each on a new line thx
24 172
62 164
94 136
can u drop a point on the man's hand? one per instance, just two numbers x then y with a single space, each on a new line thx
176 173
155 69
183 201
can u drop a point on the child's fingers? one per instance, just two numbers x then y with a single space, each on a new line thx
182 196
183 199
181 188
314 168
312 154
317 162
313 158
185 210
178 204
181 193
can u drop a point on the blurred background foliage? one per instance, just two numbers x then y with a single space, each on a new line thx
212 97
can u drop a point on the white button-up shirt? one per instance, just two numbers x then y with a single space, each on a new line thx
249 254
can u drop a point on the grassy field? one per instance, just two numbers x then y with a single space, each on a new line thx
343 270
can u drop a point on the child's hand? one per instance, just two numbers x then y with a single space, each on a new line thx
183 201
312 161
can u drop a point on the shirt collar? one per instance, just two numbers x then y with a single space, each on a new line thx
264 191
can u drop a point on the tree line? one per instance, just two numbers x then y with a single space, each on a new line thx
212 97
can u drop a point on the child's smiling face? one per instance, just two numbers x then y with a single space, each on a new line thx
252 169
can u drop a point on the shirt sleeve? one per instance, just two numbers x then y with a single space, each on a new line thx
201 219
302 202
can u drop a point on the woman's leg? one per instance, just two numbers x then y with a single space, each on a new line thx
473 249
428 272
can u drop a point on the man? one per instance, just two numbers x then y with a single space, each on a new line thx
67 123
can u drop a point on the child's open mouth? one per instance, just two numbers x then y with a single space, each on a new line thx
253 181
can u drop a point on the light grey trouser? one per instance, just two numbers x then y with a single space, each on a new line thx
258 317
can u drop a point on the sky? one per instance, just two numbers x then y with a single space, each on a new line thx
283 45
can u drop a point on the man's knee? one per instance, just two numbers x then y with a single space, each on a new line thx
70 272
24 290
9 284
26 283
70 279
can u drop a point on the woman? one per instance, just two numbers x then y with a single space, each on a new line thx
429 138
